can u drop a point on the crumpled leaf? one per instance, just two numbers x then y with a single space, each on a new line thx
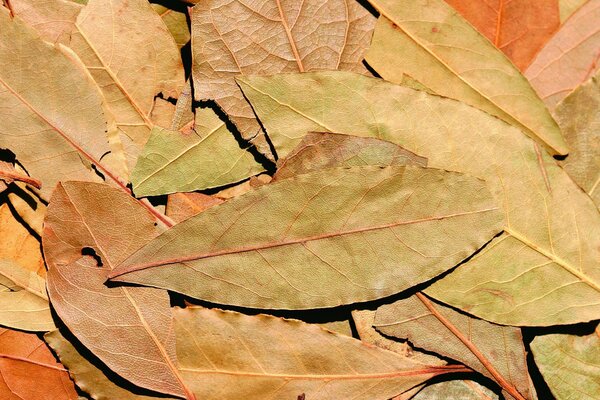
232 37
569 58
24 356
206 156
558 265
319 150
579 119
261 357
456 390
358 234
450 57
570 364
38 123
88 230
519 28
98 383
23 300
493 350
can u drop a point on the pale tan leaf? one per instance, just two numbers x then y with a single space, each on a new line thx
18 244
233 37
433 44
570 57
53 20
181 206
358 234
493 350
263 357
24 356
456 390
128 328
9 174
29 207
579 117
555 233
39 124
176 22
568 7
319 150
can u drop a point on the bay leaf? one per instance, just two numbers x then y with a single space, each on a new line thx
579 119
358 234
447 55
23 300
519 28
274 37
53 20
50 140
28 206
319 150
176 21
456 390
98 383
89 229
205 157
260 357
182 206
569 58
495 351
570 364
9 174
23 356
558 264
568 7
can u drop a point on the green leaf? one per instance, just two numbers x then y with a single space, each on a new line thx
206 156
579 119
430 42
570 364
262 357
357 233
557 268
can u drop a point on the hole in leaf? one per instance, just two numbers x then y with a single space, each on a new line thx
88 251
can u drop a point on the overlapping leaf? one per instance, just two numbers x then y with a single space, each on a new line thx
128 328
543 267
232 37
570 57
451 58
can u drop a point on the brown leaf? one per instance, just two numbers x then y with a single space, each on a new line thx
519 27
29 371
89 229
569 58
9 174
181 206
232 37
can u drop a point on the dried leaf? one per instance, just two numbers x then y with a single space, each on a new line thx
128 328
207 156
234 37
176 22
456 390
23 356
261 357
553 232
570 364
568 7
181 206
359 234
569 58
493 350
53 20
29 207
100 385
319 150
519 28
9 174
579 119
451 58
39 125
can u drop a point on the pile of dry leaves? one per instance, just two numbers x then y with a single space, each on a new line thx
300 199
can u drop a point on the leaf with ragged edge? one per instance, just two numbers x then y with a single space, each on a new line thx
232 37
568 7
261 357
38 123
205 156
108 35
569 58
430 42
128 328
570 364
23 357
319 150
88 375
519 27
493 350
359 234
23 300
456 390
579 119
558 265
